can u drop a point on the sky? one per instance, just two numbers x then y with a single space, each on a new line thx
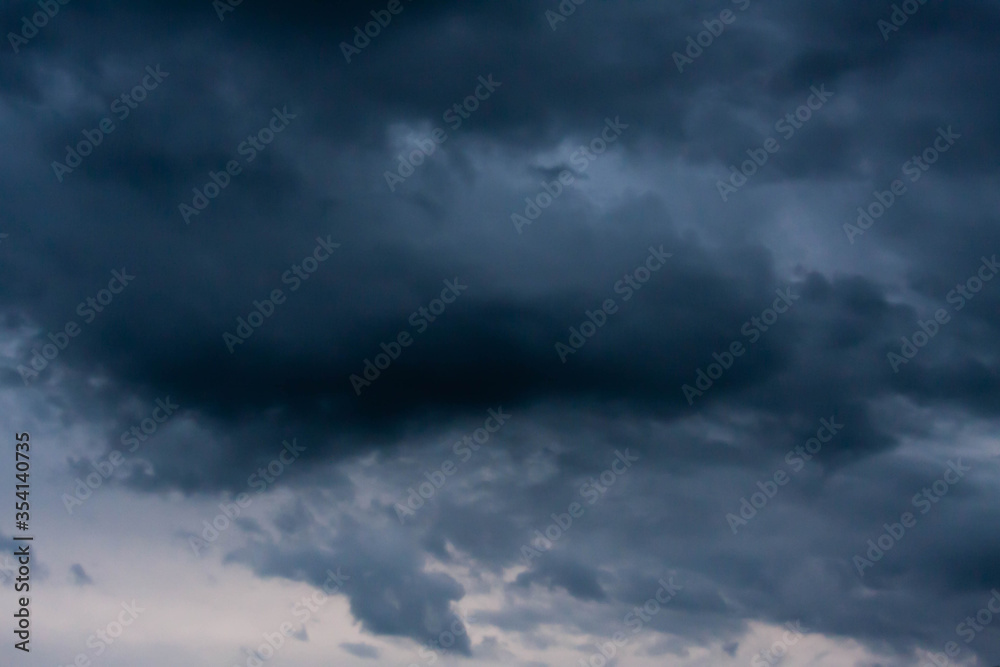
423 332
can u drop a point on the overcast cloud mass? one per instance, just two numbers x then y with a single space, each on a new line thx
416 332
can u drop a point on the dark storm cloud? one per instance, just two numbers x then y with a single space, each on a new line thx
360 650
323 176
390 593
174 343
80 576
577 581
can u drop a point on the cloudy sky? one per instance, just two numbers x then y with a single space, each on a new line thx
514 333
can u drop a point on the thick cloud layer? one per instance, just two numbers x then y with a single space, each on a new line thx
570 246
